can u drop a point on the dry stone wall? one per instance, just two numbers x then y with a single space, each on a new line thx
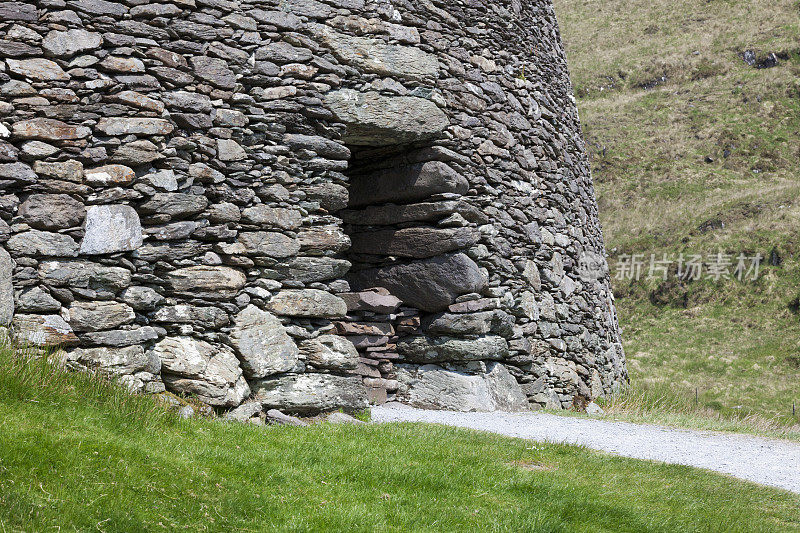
303 204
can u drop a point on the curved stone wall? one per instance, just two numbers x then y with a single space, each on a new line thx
303 204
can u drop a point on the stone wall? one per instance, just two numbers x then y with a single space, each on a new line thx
303 204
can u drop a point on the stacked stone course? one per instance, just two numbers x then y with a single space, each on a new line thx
303 205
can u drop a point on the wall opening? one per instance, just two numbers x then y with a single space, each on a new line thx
413 279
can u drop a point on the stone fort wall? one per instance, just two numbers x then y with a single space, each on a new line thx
303 204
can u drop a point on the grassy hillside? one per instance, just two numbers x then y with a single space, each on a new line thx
77 453
695 150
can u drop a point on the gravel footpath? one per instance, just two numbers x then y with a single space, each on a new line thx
765 461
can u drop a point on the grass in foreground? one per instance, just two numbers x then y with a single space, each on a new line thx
77 453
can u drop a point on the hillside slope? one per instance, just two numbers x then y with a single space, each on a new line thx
691 112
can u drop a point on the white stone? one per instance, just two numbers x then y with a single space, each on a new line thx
111 229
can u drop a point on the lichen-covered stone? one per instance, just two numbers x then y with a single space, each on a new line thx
110 229
193 367
433 387
262 344
307 302
311 393
212 282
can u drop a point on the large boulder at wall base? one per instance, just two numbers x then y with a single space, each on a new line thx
194 367
430 285
434 387
311 393
262 343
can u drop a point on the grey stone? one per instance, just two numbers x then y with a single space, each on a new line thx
330 352
6 288
429 285
38 69
84 275
111 229
173 231
52 211
42 330
212 282
276 417
63 44
406 184
323 239
319 145
371 301
270 244
134 126
64 170
373 119
48 129
433 387
100 7
311 269
373 55
307 303
230 150
311 393
121 337
136 153
35 243
207 317
244 412
35 300
194 367
18 11
213 70
262 344
384 215
98 316
163 179
481 323
278 217
116 361
331 196
142 298
419 242
19 172
424 349
174 204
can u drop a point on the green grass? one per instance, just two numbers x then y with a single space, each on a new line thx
737 344
78 453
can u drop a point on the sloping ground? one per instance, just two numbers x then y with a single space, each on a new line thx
769 462
79 454
691 112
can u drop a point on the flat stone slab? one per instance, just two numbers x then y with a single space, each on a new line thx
373 119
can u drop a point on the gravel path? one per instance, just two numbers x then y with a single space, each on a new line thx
765 461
